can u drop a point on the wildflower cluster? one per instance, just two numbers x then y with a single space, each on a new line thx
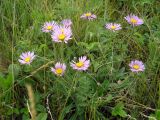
131 19
81 65
135 65
59 33
63 33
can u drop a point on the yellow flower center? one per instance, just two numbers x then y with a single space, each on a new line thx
27 59
88 14
49 27
134 21
59 70
79 64
113 27
61 36
136 66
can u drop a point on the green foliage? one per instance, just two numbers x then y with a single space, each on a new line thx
42 116
155 116
6 83
84 91
14 67
107 90
118 110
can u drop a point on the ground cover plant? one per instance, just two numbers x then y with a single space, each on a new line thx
80 60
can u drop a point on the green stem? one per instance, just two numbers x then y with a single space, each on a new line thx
73 86
62 50
54 51
13 34
159 97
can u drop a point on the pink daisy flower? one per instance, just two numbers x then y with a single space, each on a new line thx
61 34
82 64
66 23
26 57
59 69
88 16
134 20
49 26
113 26
136 66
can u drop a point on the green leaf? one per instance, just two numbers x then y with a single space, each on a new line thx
5 83
26 117
42 47
40 108
95 65
66 110
8 81
92 46
2 79
84 91
16 69
142 2
42 116
157 114
103 87
153 117
118 110
109 98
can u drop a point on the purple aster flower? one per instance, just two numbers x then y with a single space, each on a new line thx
136 66
59 69
49 26
61 34
66 23
88 16
113 26
134 20
82 64
26 57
